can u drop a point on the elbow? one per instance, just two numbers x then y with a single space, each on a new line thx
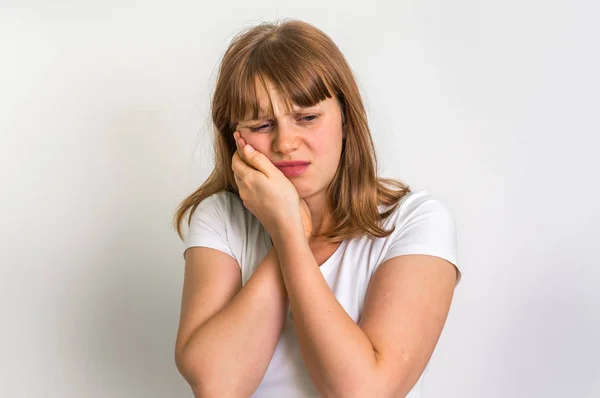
187 368
353 389
361 392
202 382
372 387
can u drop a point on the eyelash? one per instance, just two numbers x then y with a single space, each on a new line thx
256 129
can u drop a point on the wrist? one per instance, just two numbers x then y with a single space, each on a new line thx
291 231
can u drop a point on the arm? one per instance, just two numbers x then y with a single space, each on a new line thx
405 309
227 334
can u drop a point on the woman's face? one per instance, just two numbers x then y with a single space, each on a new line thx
312 135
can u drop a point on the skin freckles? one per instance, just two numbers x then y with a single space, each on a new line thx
312 134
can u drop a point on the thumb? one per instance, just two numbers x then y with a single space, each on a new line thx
248 149
257 160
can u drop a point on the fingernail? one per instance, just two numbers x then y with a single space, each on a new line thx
248 148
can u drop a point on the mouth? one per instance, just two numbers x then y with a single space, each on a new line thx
291 163
294 170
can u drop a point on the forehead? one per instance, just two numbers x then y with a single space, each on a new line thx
266 98
272 96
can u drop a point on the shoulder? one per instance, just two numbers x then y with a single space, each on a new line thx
217 222
422 224
226 210
221 210
417 205
221 199
222 203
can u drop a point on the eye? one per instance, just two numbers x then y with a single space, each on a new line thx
259 128
309 118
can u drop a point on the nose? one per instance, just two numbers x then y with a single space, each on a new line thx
286 138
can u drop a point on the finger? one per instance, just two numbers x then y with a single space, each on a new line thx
240 143
239 151
236 164
239 166
257 160
235 139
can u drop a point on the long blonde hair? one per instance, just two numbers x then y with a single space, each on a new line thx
303 63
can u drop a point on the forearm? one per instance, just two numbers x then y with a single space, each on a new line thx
339 357
229 354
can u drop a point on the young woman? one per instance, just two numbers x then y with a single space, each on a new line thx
306 274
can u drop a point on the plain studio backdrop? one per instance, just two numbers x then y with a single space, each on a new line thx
492 106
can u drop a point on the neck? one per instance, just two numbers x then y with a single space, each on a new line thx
320 214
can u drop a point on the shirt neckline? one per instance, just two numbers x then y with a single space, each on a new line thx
327 263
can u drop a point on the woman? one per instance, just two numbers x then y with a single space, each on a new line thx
315 277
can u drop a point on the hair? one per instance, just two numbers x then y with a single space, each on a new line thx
306 66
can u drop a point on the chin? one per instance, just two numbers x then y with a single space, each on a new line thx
302 190
307 192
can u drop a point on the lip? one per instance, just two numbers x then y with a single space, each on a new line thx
294 170
294 163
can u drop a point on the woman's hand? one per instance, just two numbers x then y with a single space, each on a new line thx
266 191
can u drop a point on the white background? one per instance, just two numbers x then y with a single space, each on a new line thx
492 106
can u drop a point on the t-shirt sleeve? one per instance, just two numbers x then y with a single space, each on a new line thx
429 229
207 226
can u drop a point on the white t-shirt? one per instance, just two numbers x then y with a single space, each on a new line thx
423 226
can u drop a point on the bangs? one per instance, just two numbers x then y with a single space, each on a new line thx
295 77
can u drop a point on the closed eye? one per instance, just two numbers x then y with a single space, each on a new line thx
258 128
262 127
307 118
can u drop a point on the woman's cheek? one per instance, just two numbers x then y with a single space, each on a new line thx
257 142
